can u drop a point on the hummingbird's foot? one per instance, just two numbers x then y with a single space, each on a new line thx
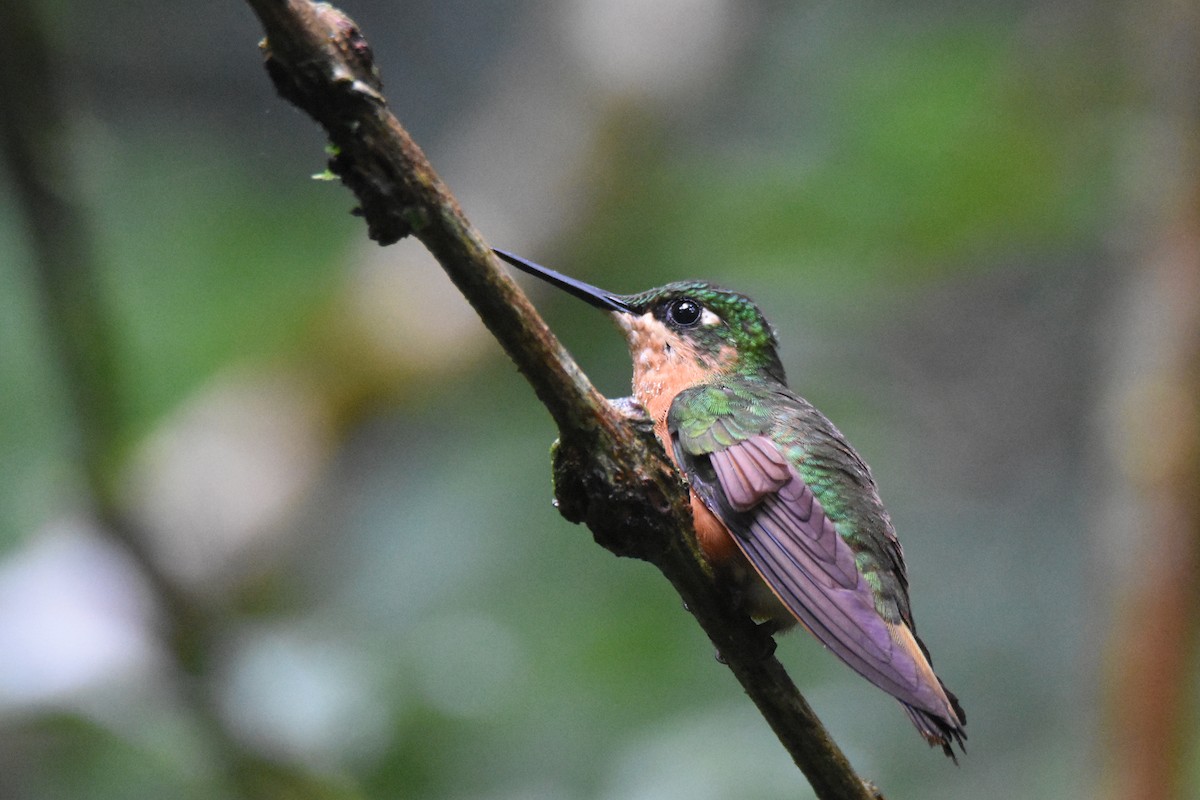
767 631
628 407
764 648
633 412
771 627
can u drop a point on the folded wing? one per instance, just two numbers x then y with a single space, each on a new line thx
781 527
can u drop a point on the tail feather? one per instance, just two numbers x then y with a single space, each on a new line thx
940 731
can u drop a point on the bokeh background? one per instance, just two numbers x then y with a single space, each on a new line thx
275 516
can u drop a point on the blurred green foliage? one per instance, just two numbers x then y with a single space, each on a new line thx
225 271
935 148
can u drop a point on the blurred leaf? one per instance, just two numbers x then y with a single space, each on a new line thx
102 765
34 425
207 264
942 151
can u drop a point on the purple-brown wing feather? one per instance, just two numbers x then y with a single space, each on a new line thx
780 526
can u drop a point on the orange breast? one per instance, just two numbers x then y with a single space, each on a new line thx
716 543
664 364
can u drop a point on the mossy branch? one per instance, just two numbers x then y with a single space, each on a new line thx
610 474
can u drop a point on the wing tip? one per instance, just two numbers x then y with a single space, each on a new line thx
939 731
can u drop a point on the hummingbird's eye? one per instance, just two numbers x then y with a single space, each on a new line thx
684 312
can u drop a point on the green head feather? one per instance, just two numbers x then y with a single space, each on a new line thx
720 319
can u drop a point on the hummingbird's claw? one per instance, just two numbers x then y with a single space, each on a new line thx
767 630
766 644
634 413
629 408
771 627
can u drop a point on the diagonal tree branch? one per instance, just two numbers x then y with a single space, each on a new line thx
610 474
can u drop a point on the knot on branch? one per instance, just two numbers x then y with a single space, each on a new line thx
626 492
346 64
325 67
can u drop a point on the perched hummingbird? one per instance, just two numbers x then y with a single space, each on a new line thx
783 506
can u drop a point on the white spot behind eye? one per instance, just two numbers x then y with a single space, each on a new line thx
709 318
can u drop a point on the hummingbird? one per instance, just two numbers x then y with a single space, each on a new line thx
784 509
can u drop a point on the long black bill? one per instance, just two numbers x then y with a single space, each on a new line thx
584 291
